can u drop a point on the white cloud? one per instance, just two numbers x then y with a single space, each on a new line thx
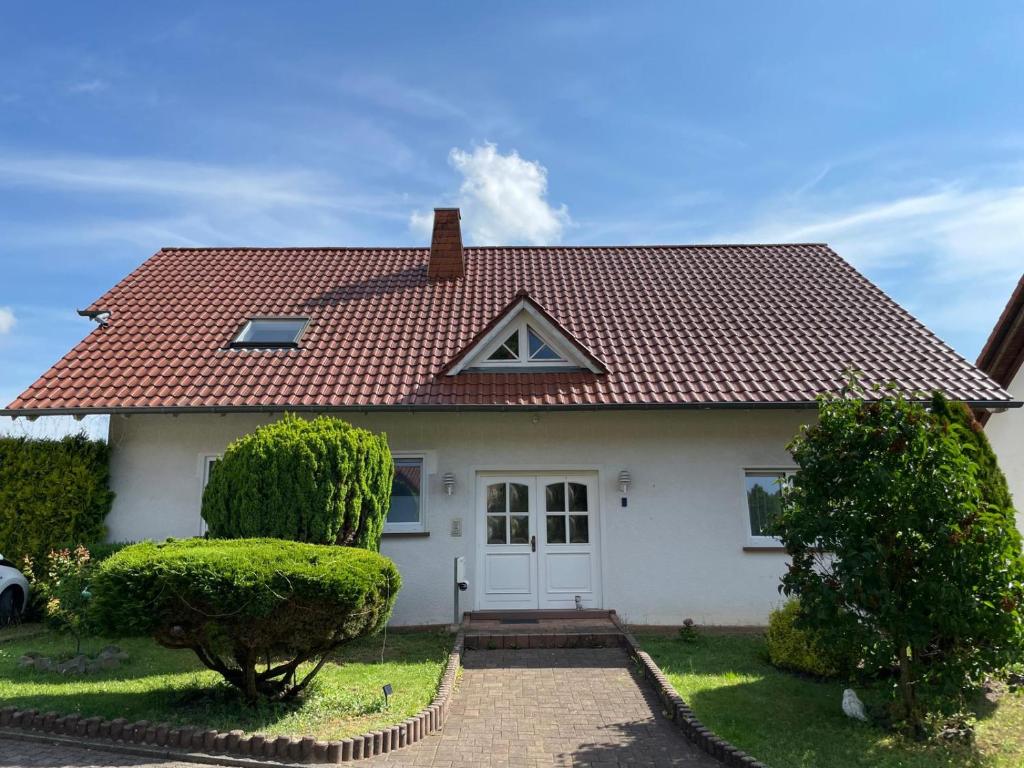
197 181
89 86
385 91
7 320
503 199
953 231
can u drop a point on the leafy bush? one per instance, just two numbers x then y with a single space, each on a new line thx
53 494
924 574
322 481
795 649
63 590
242 603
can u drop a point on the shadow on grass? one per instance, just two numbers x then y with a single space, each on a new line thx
196 705
786 720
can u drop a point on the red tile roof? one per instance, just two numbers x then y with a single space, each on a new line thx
700 326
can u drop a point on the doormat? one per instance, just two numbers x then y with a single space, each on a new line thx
520 621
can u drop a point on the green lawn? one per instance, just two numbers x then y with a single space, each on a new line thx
793 722
162 685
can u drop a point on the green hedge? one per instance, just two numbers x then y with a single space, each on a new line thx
53 494
239 602
321 481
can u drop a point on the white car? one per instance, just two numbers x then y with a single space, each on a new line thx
13 592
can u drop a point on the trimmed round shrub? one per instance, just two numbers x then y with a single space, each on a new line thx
253 610
795 649
322 481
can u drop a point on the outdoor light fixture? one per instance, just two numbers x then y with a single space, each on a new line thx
449 483
100 316
388 690
624 480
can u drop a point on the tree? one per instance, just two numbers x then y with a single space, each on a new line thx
903 543
321 481
253 610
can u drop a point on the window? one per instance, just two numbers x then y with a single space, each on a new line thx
764 500
561 501
524 346
271 332
406 511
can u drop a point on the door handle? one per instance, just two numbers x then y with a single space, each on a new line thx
533 543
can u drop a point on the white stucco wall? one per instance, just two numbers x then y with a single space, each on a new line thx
1006 434
676 551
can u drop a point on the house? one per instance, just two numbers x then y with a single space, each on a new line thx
1002 358
595 426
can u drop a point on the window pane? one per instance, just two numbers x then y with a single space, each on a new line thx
405 491
579 529
518 497
509 350
519 529
764 501
272 331
539 350
554 497
556 529
496 497
496 529
578 497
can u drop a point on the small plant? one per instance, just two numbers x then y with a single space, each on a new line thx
795 649
688 632
64 590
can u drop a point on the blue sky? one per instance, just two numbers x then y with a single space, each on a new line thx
893 131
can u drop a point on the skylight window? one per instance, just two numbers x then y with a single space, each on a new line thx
271 332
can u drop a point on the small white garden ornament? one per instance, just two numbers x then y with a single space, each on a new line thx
853 706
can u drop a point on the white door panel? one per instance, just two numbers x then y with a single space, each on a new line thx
537 541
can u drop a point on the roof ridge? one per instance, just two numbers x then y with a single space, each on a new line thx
644 246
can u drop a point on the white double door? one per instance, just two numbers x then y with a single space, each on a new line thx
538 541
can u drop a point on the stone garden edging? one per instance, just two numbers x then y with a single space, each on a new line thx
680 713
181 742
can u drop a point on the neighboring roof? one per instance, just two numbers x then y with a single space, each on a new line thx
1003 353
676 326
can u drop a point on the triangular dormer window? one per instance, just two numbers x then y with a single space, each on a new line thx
525 346
525 337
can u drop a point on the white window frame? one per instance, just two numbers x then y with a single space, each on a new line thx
516 320
523 361
205 462
420 526
752 540
241 342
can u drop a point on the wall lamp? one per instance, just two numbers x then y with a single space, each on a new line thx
449 483
625 480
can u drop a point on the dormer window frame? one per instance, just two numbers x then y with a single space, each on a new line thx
521 329
243 337
521 315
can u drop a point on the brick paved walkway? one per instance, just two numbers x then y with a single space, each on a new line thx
15 753
541 708
521 709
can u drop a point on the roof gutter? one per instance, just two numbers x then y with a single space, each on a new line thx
33 413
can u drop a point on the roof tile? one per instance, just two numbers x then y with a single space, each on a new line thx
675 326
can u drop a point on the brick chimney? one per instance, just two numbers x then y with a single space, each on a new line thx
447 260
